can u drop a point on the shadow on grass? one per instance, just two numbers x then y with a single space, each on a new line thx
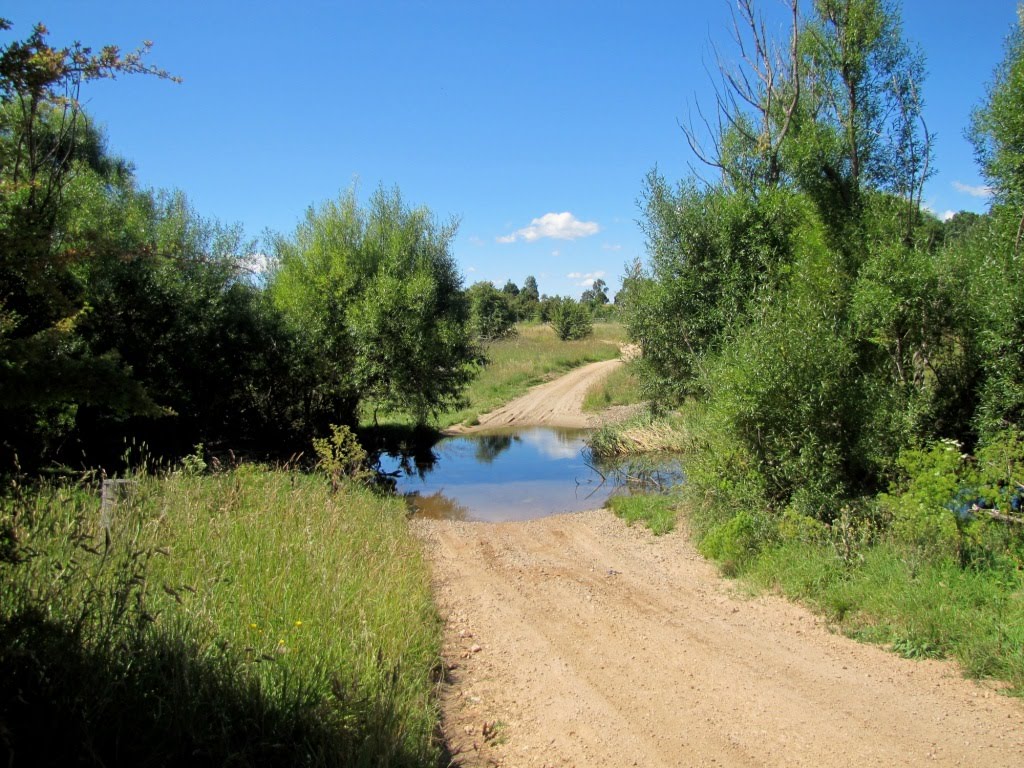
160 702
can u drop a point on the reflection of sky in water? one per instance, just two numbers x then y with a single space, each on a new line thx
516 476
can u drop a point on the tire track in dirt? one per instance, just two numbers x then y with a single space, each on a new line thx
593 644
556 403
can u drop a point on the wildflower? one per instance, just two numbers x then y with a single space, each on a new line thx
298 623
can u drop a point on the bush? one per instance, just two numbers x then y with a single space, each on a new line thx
736 542
571 320
341 456
491 314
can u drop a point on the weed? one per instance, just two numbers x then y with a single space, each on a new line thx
656 511
342 457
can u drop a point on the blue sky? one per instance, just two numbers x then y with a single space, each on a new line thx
533 123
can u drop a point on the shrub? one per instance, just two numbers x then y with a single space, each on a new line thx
571 320
491 314
736 542
341 456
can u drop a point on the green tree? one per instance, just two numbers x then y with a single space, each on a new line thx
997 127
993 248
47 371
596 295
713 253
570 320
530 291
376 294
858 124
491 315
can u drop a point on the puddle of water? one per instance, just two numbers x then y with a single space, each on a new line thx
517 475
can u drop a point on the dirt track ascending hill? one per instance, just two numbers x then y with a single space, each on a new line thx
557 403
576 641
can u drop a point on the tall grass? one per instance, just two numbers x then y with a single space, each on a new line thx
532 356
657 511
620 387
921 608
245 618
643 433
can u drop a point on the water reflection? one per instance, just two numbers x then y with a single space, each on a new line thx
489 447
513 475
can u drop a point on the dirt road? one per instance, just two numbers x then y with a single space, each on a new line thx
576 641
557 403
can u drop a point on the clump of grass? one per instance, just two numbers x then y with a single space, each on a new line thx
644 433
655 510
247 618
620 387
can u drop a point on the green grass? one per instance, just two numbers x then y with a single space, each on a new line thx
533 356
892 595
620 387
246 618
655 510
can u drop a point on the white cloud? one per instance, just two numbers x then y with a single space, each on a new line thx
255 263
612 247
944 216
477 241
586 279
556 253
982 190
549 443
471 269
559 226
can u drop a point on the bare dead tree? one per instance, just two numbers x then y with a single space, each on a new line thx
755 99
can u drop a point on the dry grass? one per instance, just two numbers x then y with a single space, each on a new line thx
642 434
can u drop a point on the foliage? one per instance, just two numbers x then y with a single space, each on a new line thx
570 320
997 125
46 143
596 295
207 624
491 313
341 456
713 255
377 294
